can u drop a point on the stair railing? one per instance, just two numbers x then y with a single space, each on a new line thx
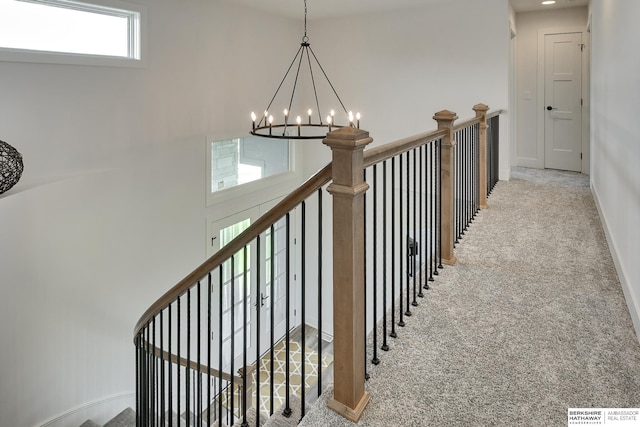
222 345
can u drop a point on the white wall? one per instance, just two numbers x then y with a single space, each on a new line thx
111 209
399 68
615 136
529 147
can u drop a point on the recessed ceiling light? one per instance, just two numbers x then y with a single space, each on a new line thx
549 2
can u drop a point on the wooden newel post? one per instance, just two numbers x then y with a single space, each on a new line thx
348 188
481 111
445 120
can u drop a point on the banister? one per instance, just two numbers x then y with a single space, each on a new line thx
494 113
466 123
322 177
387 151
456 177
157 352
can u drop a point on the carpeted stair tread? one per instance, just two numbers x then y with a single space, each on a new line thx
126 418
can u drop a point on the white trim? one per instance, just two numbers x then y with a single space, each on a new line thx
254 193
110 405
633 301
138 44
542 32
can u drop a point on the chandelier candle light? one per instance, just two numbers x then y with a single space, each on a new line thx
308 129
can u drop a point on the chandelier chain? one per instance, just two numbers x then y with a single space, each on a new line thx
305 39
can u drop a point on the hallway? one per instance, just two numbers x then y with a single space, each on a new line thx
530 322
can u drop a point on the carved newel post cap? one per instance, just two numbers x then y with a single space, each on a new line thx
445 116
11 166
347 137
480 108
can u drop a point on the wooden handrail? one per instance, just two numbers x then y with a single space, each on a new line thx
466 123
494 113
155 351
379 154
322 177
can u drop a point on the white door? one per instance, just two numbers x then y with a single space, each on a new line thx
269 293
563 101
273 295
230 288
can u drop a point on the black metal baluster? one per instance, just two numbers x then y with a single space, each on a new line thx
303 275
209 338
465 182
138 380
170 420
422 225
432 212
187 372
199 361
272 318
162 369
364 275
258 295
287 408
145 358
385 346
414 253
401 244
439 201
154 374
150 376
219 391
319 292
375 359
407 273
178 367
245 346
474 169
393 333
232 321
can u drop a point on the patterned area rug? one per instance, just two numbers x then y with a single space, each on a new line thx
279 377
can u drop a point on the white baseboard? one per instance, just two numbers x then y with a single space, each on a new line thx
527 162
632 300
100 411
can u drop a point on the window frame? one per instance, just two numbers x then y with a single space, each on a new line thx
264 189
137 17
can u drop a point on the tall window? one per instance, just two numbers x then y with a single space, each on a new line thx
108 28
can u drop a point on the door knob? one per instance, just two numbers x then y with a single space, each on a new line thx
549 108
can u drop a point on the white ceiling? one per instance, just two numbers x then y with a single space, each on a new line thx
320 9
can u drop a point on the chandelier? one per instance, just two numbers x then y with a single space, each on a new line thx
312 126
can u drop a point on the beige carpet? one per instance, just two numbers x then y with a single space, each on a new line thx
530 322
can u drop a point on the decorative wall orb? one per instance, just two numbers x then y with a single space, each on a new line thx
11 166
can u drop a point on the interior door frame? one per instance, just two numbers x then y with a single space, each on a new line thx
253 213
542 32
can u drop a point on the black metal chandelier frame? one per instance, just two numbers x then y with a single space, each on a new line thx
299 129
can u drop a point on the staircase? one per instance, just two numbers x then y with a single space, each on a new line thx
126 418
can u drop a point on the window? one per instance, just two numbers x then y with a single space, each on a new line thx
243 160
66 31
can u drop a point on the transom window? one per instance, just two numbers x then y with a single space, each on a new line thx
106 28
